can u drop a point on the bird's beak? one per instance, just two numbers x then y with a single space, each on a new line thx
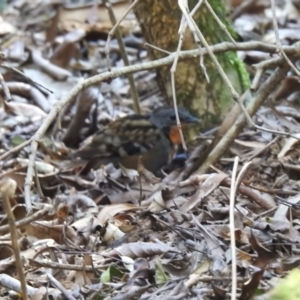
192 120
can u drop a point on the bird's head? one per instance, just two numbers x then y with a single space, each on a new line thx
165 119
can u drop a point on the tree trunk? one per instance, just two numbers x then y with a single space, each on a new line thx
160 21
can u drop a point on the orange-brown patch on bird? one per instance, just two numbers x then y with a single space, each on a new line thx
174 135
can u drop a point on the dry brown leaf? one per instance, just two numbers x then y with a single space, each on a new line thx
45 230
108 212
112 233
288 145
27 110
41 167
208 186
77 16
251 285
265 256
141 249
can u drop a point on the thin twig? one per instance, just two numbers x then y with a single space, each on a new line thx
243 7
222 26
26 77
181 31
59 286
256 79
12 284
15 149
269 63
176 111
278 43
232 229
8 188
260 67
37 182
35 216
133 91
60 266
282 133
112 31
258 152
157 48
6 92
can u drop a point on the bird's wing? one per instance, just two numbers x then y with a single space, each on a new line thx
131 135
128 136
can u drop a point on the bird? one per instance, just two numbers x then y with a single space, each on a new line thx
152 138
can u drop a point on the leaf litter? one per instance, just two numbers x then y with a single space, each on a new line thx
114 233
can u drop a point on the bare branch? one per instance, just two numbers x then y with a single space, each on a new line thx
294 49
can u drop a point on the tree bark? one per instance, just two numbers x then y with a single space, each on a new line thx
160 21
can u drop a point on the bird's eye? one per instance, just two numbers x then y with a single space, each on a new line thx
172 118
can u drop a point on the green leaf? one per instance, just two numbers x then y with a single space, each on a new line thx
110 273
288 288
160 275
98 297
17 140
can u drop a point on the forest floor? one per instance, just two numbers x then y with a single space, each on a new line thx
116 233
